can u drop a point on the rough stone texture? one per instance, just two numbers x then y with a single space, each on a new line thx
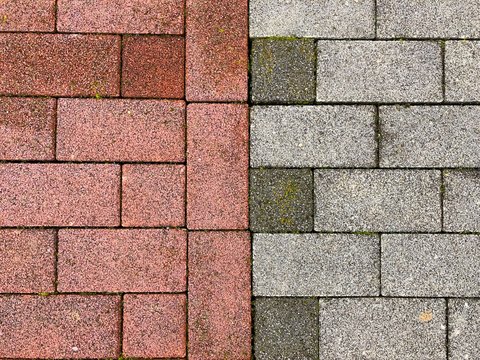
430 265
312 136
382 329
154 326
153 195
379 71
121 16
121 130
27 261
59 326
377 200
21 15
315 265
286 329
305 18
427 19
59 65
283 71
463 324
219 319
281 200
153 67
461 204
121 260
430 136
27 128
59 194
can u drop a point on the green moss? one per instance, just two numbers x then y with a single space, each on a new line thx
368 233
44 293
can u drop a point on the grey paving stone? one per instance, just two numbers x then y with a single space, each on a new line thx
313 136
379 71
428 19
464 329
283 71
430 265
382 329
315 265
430 136
461 204
307 18
281 200
286 329
377 200
462 70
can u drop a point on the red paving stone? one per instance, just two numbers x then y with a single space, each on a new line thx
20 15
121 130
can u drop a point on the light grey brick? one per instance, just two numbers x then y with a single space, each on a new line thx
462 70
430 136
379 71
307 18
313 136
461 202
315 265
382 329
377 200
464 329
430 265
428 19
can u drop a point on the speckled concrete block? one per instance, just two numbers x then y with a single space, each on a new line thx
463 334
25 15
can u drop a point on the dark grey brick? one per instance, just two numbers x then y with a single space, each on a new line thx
464 329
462 70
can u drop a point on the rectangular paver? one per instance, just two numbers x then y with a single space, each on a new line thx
463 321
23 15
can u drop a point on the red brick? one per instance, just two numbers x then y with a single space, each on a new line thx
153 67
25 15
122 260
153 195
219 294
27 128
217 171
59 65
217 50
27 261
154 326
59 326
121 16
59 195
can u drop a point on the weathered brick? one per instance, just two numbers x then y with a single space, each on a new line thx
315 265
59 195
27 128
153 67
219 296
389 71
153 195
59 326
120 130
312 136
430 136
27 261
217 166
154 326
121 16
122 260
217 50
377 200
463 323
23 15
59 64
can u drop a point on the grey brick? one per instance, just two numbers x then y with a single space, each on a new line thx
307 18
315 265
430 265
461 202
281 200
377 200
464 326
313 136
382 329
428 19
379 71
430 136
286 329
462 70
283 71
